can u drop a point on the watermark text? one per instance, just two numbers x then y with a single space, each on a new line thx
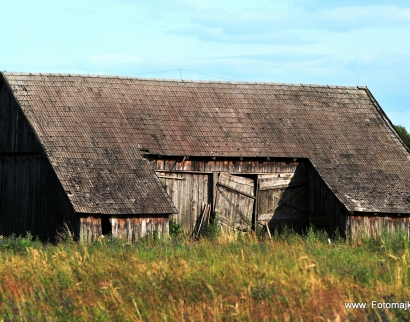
379 305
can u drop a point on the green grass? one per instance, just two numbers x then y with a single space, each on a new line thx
228 277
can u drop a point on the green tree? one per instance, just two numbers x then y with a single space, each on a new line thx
405 136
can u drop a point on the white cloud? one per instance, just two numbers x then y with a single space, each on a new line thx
259 24
219 34
357 17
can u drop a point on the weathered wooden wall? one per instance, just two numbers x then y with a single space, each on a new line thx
234 201
230 165
283 199
237 189
31 196
286 192
325 210
188 192
128 228
375 225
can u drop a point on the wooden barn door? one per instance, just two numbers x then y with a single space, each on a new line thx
188 192
282 201
234 201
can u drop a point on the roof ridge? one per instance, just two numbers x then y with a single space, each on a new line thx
177 80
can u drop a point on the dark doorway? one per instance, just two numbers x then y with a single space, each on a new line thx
106 225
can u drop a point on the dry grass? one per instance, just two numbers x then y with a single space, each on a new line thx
232 277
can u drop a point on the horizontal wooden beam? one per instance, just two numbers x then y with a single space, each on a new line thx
235 190
268 217
166 177
184 171
218 171
281 186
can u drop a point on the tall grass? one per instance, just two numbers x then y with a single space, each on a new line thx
230 276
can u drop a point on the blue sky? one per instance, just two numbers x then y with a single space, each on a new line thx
329 42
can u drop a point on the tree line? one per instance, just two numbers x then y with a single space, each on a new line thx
404 135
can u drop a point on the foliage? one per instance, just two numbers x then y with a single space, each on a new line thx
229 277
213 229
18 244
404 135
176 229
66 235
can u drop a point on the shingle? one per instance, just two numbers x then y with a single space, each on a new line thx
104 121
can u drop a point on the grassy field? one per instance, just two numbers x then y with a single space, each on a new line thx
227 277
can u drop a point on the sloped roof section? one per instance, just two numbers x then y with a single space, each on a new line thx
99 165
91 125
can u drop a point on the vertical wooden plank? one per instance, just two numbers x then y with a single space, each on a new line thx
200 178
205 189
255 218
114 226
214 193
235 208
207 165
177 188
165 228
187 165
168 164
159 164
201 165
191 191
225 165
144 229
128 230
184 203
192 194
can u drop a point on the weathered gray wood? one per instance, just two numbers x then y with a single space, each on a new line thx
196 202
202 221
268 230
235 190
188 191
282 199
256 207
167 177
133 228
376 225
284 189
236 208
214 194
222 165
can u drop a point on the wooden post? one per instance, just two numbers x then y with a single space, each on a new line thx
214 182
267 229
255 220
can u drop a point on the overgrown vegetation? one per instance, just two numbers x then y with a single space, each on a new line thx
228 276
404 135
176 230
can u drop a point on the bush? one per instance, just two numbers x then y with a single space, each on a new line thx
213 230
18 244
176 230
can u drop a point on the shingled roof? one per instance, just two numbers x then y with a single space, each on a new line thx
93 128
97 161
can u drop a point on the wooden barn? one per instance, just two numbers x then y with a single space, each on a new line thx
122 155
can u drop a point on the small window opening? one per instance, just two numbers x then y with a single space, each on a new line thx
106 225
